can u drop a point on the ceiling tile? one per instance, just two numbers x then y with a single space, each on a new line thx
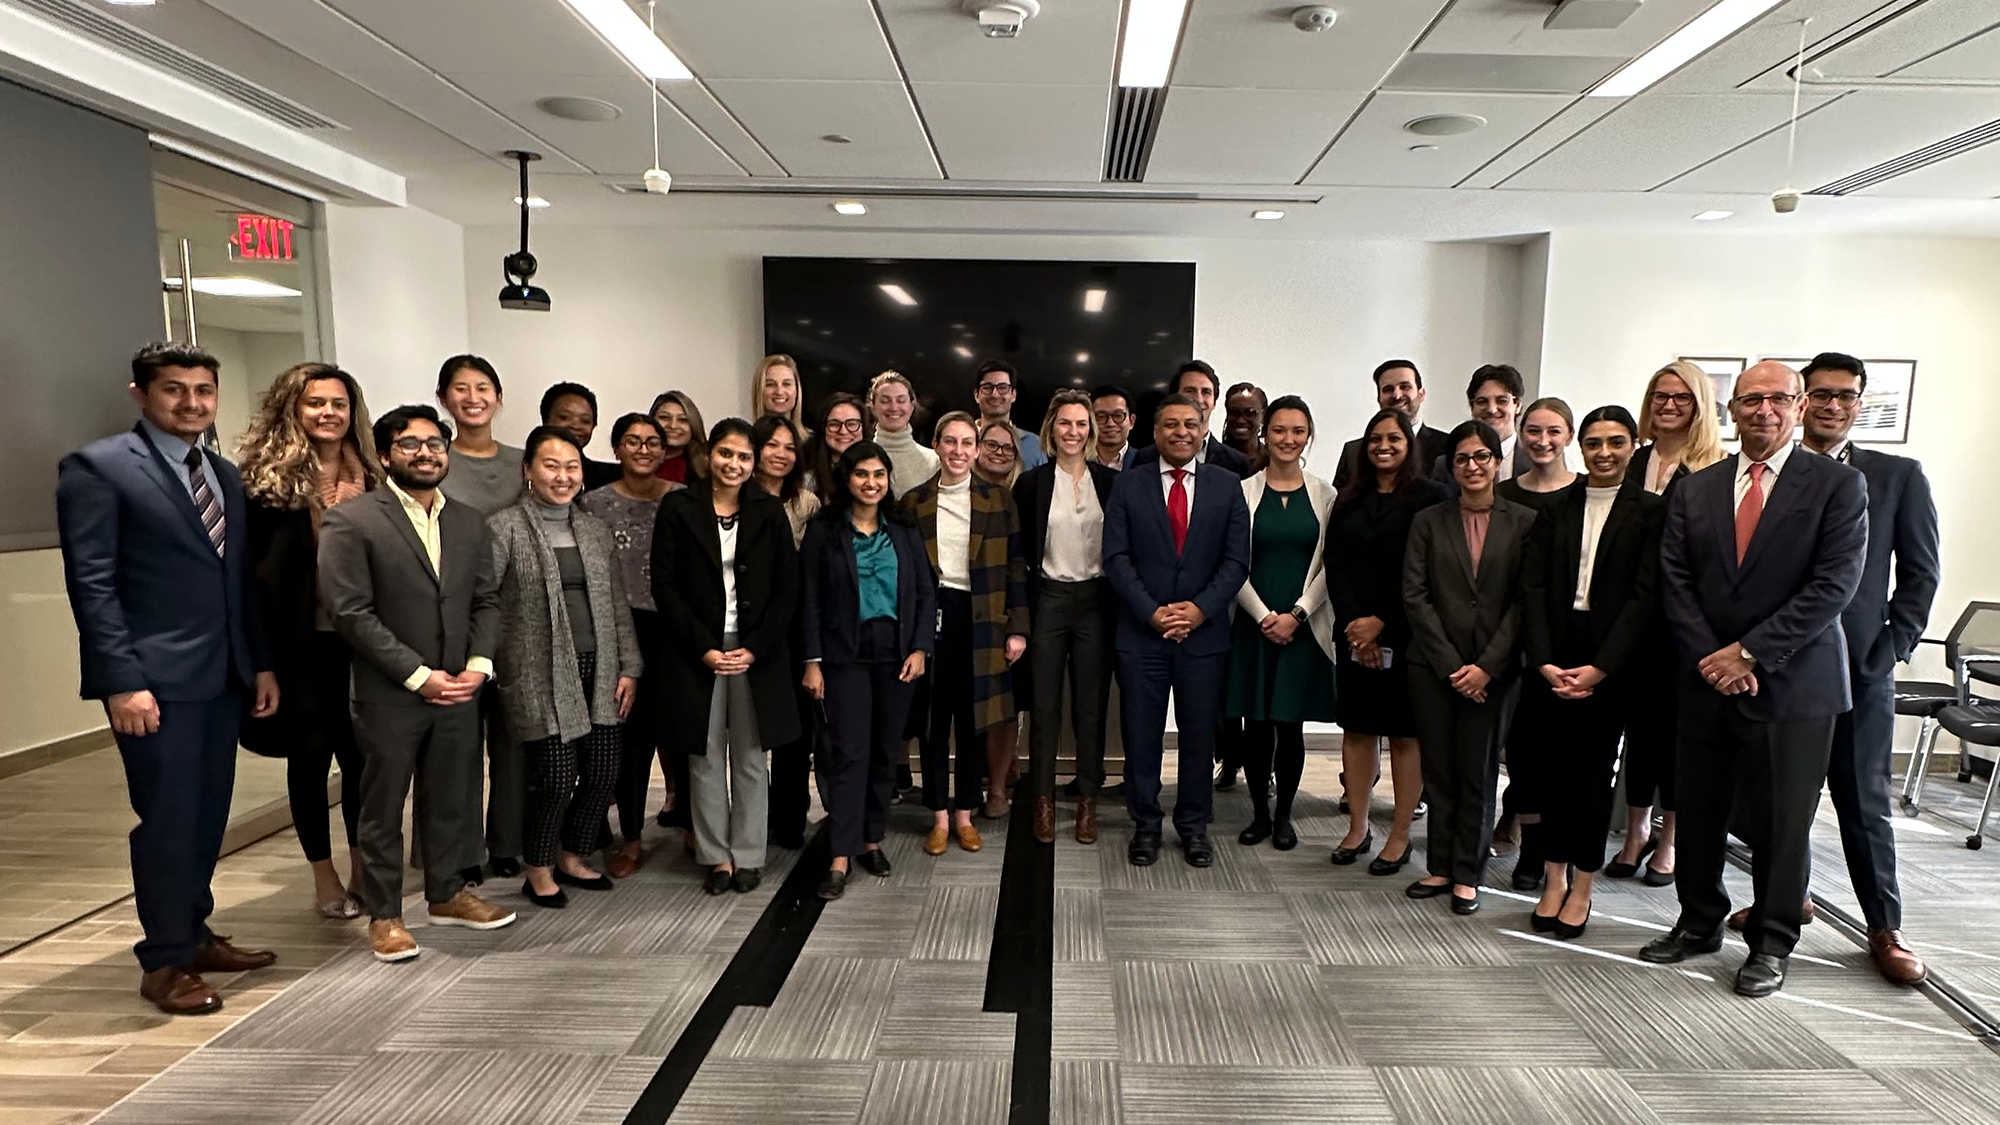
1010 132
1858 131
622 147
1575 118
1376 150
790 117
1245 136
1252 44
1649 140
1501 74
822 39
530 38
1071 43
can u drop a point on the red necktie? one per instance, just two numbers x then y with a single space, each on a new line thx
1177 509
1748 511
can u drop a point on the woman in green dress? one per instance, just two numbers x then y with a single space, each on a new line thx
1280 658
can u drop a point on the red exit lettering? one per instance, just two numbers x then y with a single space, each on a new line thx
262 237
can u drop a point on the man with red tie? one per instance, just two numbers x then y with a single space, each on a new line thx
1176 551
1761 554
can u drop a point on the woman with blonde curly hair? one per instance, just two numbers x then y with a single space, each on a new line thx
307 449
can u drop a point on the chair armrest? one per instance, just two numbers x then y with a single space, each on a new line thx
1966 661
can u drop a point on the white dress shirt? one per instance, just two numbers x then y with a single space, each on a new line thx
954 535
1596 509
1775 465
1506 465
1187 483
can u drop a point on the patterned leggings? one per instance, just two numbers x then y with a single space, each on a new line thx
569 786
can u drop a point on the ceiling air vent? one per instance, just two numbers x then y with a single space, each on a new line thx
1135 114
1911 161
83 20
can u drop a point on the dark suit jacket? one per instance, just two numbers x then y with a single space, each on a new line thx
284 587
391 608
1430 446
1882 628
156 609
831 591
1365 543
1624 575
1144 571
1456 618
687 588
1216 453
1032 495
1642 460
597 474
1783 603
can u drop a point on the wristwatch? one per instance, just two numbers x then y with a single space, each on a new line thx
1743 654
1299 612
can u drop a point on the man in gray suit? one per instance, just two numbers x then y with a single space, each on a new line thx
408 581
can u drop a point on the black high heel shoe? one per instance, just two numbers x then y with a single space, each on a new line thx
1382 865
1626 870
1568 932
1546 923
1344 856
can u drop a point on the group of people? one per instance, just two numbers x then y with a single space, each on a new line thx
757 602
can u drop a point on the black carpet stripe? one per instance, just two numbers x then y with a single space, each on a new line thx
753 978
1020 972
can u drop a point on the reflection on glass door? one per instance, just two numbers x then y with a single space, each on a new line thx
237 277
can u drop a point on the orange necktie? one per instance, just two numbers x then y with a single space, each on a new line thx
1749 510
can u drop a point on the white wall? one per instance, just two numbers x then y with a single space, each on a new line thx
641 311
1621 305
399 293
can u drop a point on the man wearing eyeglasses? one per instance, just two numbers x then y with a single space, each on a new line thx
407 580
1112 409
1882 630
995 392
1760 557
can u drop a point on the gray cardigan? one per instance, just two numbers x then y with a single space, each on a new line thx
534 667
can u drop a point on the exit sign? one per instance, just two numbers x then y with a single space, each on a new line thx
262 238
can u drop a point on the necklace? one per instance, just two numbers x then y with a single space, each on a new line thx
728 522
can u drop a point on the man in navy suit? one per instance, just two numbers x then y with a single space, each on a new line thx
1882 630
153 534
1761 555
1176 551
1197 382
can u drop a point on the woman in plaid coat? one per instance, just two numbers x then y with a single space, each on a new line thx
973 534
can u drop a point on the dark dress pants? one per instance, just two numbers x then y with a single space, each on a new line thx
951 689
506 784
437 748
1146 676
1774 770
1460 743
180 779
866 706
1572 745
1072 630
1859 778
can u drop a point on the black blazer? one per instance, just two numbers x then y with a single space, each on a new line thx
1214 453
1642 459
1624 575
1784 601
1032 495
1456 618
156 608
1430 446
284 588
1365 541
1902 522
832 592
687 588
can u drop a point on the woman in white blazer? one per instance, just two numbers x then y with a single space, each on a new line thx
1282 638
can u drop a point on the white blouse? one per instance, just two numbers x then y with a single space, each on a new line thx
954 535
1596 509
728 537
1074 546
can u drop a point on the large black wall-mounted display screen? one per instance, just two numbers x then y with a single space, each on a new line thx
1062 324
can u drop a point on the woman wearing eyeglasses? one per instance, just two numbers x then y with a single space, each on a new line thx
972 532
1680 428
999 463
568 665
892 402
630 506
1461 588
842 421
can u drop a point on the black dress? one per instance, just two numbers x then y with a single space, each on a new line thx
1365 538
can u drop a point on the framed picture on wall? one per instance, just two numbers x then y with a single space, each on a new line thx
1884 414
1722 372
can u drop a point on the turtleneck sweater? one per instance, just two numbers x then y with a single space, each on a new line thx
910 464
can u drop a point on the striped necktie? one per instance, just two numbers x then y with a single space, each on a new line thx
205 501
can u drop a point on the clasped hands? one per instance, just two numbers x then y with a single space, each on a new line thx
1364 636
1726 671
734 662
1573 683
1470 681
1279 628
1176 620
448 690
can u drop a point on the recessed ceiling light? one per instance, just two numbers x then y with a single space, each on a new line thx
130 3
963 351
837 139
1712 216
850 207
1093 300
535 202
1152 33
1083 357
1719 22
1267 216
629 36
1423 148
1444 124
233 287
897 293
571 108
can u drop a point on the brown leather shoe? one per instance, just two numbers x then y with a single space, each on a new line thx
390 940
1086 820
622 864
968 837
1898 964
934 844
177 992
997 807
469 910
216 955
1045 819
1739 919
